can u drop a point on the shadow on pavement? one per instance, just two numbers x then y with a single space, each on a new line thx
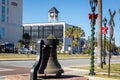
63 77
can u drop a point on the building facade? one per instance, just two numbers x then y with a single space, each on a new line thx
43 30
10 20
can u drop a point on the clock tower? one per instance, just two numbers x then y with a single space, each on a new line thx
53 15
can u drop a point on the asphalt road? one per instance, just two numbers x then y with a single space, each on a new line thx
64 62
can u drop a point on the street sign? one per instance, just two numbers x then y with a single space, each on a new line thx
111 22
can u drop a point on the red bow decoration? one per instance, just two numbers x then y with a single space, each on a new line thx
105 30
94 16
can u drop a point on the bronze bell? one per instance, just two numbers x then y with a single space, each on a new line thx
49 63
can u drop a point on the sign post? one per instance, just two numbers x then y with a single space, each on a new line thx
111 24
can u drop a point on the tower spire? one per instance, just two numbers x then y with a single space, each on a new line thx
53 15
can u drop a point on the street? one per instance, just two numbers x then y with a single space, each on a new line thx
24 66
64 62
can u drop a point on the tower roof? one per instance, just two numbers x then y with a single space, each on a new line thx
53 9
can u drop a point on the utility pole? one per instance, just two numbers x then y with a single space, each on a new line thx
99 40
111 24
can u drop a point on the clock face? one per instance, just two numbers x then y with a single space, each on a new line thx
51 14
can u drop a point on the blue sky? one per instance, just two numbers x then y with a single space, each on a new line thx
71 11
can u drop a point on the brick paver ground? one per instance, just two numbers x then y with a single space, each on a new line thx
63 77
14 70
22 73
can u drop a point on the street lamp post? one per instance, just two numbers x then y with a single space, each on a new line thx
92 17
105 28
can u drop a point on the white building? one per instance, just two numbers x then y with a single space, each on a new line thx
10 20
43 30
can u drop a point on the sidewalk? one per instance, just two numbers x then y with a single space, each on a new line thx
69 74
82 72
99 78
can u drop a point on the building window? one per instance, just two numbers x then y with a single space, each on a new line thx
14 3
3 9
7 18
3 14
3 18
2 32
3 1
7 11
8 2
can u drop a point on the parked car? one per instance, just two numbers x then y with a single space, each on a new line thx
7 48
23 51
2 48
33 51
115 53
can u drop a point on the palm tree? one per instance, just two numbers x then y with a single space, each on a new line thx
75 33
69 31
78 32
99 63
26 38
59 46
75 43
19 44
32 44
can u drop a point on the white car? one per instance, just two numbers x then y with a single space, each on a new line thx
23 51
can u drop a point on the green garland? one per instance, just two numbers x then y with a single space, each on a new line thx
92 50
104 54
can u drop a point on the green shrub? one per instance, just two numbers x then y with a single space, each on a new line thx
87 51
51 36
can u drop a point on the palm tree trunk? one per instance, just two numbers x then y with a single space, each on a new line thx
99 64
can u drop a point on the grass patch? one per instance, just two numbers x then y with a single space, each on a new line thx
73 56
33 56
16 56
114 69
106 76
